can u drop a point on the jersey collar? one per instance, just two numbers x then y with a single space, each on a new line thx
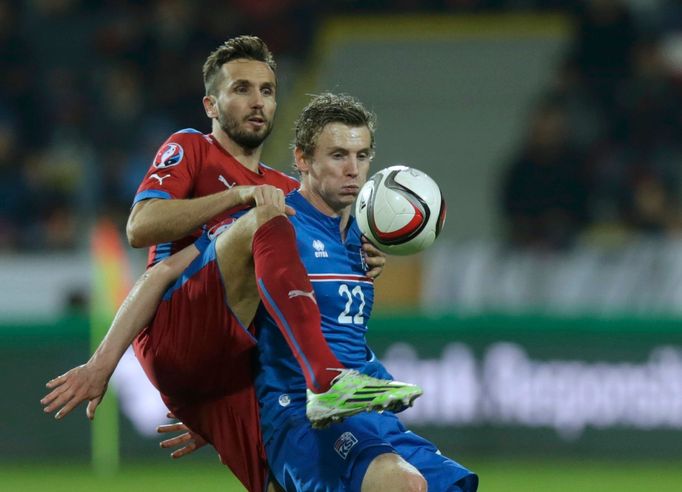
222 149
299 202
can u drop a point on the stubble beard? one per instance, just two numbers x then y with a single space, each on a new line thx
245 139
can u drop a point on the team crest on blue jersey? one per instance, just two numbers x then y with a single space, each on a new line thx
170 155
284 400
344 444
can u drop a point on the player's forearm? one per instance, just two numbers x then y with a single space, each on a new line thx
139 308
160 221
126 324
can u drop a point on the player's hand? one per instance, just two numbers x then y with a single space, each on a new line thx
265 195
81 383
375 259
187 442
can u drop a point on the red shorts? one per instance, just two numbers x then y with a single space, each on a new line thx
200 358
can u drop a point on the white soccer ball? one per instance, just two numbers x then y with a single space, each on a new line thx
400 210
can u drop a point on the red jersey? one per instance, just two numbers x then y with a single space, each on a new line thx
190 164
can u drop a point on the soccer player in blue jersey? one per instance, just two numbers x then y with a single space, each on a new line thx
334 145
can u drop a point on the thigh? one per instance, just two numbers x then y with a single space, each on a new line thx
234 257
304 459
231 424
195 347
390 471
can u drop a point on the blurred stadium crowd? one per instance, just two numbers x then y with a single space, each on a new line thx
603 153
89 90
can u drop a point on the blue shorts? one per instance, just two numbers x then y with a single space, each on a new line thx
337 458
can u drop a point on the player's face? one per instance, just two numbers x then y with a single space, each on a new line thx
245 105
333 176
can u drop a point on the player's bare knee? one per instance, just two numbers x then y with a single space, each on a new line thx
264 213
236 241
391 472
239 236
414 482
408 479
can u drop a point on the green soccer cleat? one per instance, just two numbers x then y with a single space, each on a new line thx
352 392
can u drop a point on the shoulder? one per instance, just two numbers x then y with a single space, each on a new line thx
181 144
187 139
284 179
189 136
296 201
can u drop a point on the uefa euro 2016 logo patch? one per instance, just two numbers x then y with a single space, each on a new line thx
217 229
168 156
344 444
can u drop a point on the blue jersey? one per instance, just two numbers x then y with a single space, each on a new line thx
345 296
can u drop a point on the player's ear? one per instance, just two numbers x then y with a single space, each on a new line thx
210 106
300 161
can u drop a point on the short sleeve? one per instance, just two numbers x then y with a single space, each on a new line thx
171 173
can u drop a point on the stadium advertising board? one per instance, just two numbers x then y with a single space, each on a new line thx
531 384
497 385
507 387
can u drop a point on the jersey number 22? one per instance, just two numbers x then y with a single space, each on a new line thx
345 317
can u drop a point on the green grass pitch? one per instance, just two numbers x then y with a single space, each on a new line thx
496 476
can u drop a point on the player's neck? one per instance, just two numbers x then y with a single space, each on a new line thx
249 158
318 202
345 217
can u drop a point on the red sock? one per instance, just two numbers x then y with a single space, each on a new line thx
279 271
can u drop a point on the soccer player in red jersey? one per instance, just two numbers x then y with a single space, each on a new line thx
199 346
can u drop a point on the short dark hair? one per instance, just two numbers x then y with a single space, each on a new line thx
241 47
327 108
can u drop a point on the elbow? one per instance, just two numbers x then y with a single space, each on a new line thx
141 228
135 236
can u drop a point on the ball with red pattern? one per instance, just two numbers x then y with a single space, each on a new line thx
400 210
